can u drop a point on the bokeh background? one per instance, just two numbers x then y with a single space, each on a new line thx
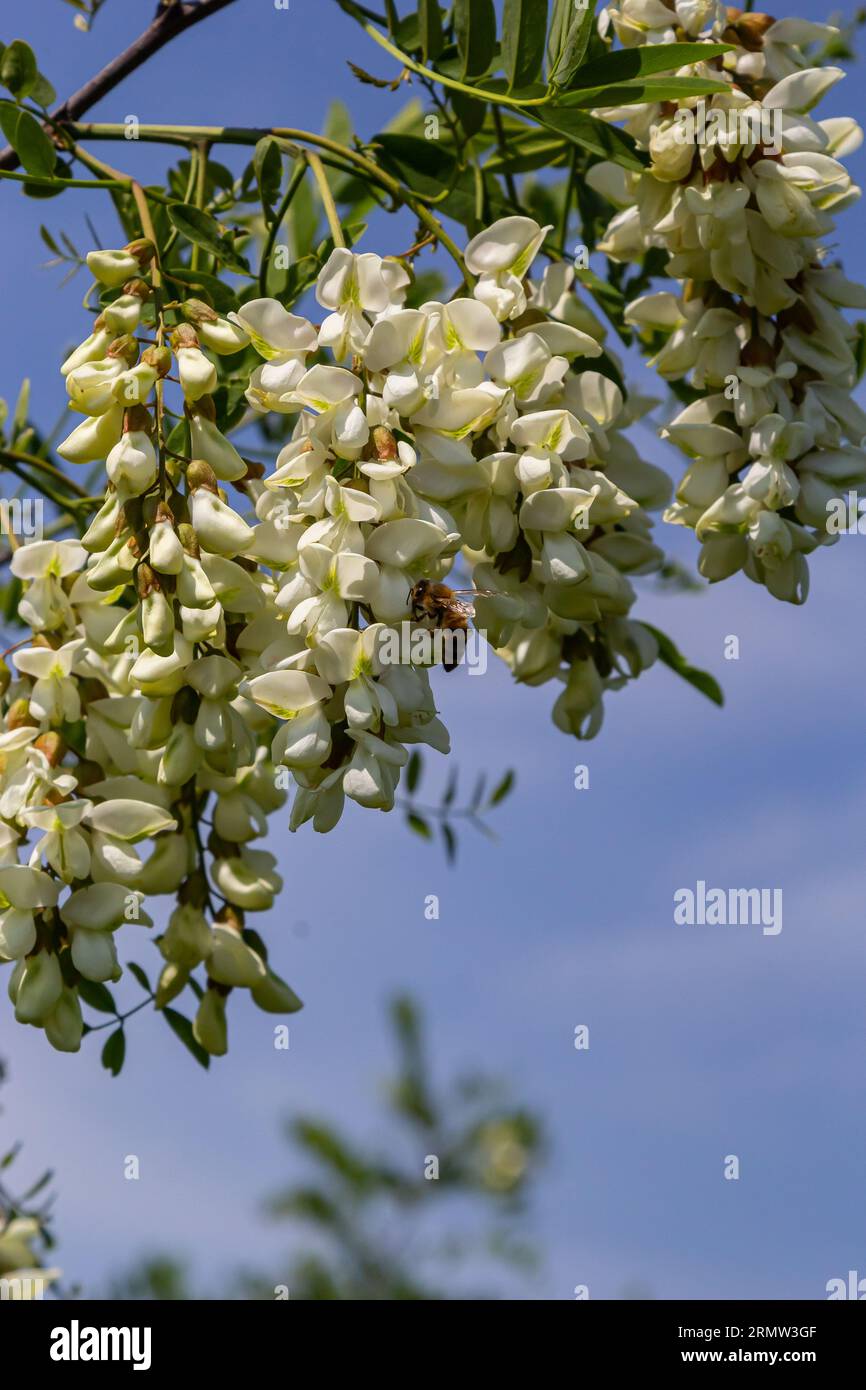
704 1041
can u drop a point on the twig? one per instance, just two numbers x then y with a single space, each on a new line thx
327 197
170 21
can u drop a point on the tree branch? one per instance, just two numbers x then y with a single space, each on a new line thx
169 21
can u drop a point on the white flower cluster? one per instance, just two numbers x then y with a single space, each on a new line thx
741 189
21 1274
187 656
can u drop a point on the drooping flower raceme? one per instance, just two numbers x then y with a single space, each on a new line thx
206 650
741 191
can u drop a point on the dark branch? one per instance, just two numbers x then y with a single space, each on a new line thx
171 19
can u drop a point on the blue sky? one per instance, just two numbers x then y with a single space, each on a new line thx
704 1041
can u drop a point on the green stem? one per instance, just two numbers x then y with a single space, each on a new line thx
199 157
37 484
238 135
511 187
477 93
44 181
327 197
33 461
569 190
119 1019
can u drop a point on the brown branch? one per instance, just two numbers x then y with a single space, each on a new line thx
170 20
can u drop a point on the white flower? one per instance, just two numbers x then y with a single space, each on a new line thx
63 846
272 330
54 695
42 565
501 256
353 286
23 891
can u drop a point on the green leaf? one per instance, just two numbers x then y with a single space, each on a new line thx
18 70
42 92
469 112
450 842
50 242
221 296
268 164
114 1052
652 89
570 28
139 974
628 63
859 347
182 1028
97 996
426 165
413 771
673 657
450 789
391 16
28 140
524 25
537 149
419 825
594 135
475 29
430 29
38 1185
21 411
502 789
204 231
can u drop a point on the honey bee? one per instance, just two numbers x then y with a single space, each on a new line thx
444 609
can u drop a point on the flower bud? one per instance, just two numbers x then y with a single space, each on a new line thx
90 387
166 551
93 349
187 940
124 349
134 386
209 1026
157 622
39 989
219 529
212 447
274 996
94 955
172 982
64 1026
200 474
159 358
215 332
182 757
92 440
132 464
123 314
18 715
102 529
232 961
198 375
111 268
53 747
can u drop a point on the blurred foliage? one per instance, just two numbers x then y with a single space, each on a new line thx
378 1227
